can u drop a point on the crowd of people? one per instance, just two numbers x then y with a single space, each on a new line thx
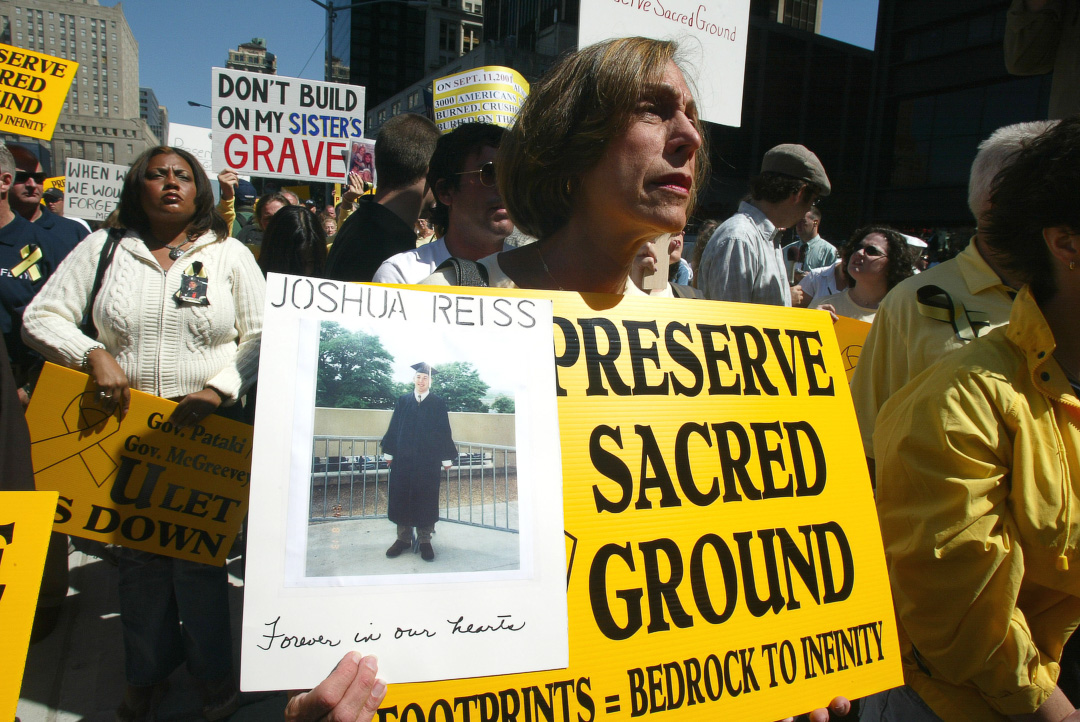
966 389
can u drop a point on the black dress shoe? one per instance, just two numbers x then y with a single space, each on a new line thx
426 552
397 547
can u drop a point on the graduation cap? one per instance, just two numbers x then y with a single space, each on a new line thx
424 368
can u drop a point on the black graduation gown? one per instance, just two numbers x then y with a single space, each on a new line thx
419 439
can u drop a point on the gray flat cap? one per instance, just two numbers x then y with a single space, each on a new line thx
798 162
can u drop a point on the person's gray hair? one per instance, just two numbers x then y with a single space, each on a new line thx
7 160
994 153
294 200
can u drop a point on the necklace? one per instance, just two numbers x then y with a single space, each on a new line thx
177 250
544 265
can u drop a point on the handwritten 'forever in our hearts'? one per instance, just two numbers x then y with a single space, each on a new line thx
280 640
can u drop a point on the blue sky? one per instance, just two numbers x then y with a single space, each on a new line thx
180 42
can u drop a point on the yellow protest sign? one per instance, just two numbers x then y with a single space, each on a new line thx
490 94
34 88
56 182
850 336
140 481
26 519
724 558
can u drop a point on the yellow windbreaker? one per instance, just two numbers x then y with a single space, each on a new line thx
977 495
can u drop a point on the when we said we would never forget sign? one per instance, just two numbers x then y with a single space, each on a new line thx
723 559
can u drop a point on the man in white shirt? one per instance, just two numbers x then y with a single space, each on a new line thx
469 215
742 261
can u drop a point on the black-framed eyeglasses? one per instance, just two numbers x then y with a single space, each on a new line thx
21 176
486 171
872 251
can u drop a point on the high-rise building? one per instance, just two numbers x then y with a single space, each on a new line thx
155 115
252 57
100 118
394 44
942 89
548 27
799 14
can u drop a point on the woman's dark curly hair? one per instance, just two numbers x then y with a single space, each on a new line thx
294 242
901 263
130 212
1039 188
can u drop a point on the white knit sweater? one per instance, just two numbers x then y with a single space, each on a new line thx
166 348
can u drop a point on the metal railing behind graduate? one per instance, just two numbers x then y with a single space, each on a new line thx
351 480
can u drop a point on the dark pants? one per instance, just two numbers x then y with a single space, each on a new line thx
158 594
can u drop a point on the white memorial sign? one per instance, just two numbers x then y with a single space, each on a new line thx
92 189
319 580
278 127
711 37
194 140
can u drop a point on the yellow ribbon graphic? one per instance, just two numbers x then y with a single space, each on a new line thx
31 254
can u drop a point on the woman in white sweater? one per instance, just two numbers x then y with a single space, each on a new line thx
178 315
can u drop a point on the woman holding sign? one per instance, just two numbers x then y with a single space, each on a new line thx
606 155
175 310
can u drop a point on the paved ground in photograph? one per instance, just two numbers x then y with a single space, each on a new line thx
343 547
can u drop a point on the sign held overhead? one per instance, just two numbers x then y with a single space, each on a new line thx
276 127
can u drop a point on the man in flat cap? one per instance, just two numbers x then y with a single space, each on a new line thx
743 261
417 443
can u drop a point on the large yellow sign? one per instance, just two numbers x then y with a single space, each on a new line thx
32 91
25 525
140 482
724 559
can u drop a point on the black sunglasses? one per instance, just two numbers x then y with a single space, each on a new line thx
869 250
21 176
486 171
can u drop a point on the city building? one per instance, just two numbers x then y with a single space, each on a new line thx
100 119
943 88
252 57
155 115
798 87
395 44
799 14
339 71
549 28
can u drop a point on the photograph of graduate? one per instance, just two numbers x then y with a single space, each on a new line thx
414 462
417 447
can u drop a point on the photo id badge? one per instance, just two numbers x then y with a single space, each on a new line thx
193 286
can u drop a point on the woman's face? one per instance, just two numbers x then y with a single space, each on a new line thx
168 191
330 226
871 258
643 182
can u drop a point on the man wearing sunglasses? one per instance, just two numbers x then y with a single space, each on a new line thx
25 199
469 217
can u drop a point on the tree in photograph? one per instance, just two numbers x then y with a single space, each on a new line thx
502 404
354 370
460 385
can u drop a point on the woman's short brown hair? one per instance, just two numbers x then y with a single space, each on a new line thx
585 101
130 209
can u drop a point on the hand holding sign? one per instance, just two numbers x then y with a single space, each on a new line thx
111 381
351 692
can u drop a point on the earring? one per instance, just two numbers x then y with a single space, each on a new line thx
1072 265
